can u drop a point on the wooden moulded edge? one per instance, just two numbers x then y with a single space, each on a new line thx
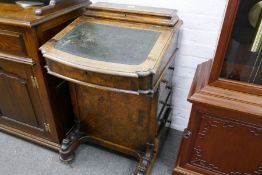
27 136
203 93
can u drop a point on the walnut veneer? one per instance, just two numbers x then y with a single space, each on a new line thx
120 103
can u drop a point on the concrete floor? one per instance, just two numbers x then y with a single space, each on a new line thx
18 157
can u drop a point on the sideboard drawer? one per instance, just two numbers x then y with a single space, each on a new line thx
12 43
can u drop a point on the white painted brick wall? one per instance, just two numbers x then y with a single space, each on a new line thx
200 32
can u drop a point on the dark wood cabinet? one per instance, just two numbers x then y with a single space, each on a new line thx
224 134
33 104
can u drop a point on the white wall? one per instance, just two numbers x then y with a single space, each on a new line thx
200 32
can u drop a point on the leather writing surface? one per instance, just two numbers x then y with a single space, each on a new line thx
109 43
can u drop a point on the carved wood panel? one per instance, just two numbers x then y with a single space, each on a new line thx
228 146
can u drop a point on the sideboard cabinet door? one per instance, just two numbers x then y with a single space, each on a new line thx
19 100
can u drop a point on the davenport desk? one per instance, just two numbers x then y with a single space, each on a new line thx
119 62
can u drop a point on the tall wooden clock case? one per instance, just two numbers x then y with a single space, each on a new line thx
224 134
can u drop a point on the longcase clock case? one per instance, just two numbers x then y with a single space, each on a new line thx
224 134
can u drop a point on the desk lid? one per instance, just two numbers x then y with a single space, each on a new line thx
110 46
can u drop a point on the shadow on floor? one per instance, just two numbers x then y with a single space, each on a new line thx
18 157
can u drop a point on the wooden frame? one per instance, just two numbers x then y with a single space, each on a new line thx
223 44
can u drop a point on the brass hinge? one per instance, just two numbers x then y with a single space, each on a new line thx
187 134
34 82
47 127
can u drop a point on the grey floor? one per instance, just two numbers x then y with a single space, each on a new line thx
18 157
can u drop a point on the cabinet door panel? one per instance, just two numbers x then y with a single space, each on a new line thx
18 97
215 144
16 103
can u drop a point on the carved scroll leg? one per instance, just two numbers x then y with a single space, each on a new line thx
71 143
146 162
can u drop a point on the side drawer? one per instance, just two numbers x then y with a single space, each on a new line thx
165 92
12 43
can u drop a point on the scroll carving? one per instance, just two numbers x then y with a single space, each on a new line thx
210 124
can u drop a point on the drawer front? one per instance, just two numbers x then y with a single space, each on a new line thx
96 79
163 100
166 82
163 104
12 43
164 88
165 119
165 92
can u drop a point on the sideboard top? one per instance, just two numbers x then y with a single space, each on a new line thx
14 14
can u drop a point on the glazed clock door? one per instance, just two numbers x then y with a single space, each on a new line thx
19 101
243 61
238 61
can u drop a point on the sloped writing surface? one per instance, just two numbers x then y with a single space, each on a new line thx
109 43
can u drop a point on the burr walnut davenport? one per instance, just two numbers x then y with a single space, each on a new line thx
119 62
33 104
224 134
